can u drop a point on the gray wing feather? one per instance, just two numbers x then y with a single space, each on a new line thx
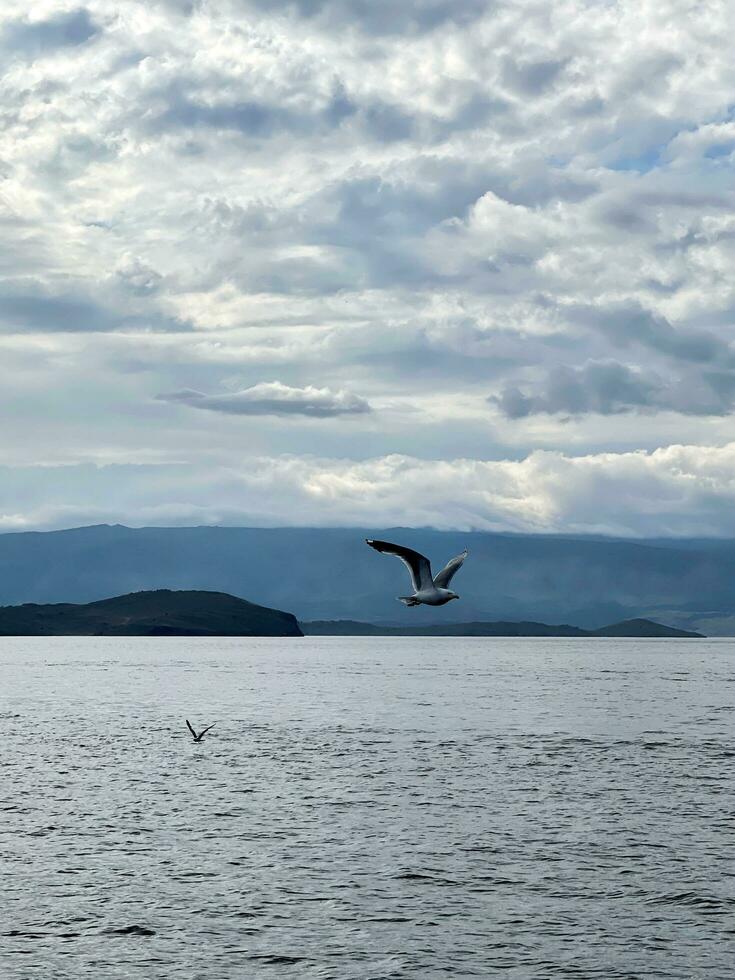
445 576
418 565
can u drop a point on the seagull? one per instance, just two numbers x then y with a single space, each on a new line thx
200 736
428 590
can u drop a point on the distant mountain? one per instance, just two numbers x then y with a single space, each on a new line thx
348 627
159 613
329 573
631 628
643 627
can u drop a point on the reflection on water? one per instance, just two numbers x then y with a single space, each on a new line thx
367 808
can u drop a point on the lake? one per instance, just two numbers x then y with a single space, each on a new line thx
369 808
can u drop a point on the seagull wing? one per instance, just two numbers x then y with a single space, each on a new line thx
205 730
417 564
188 725
445 576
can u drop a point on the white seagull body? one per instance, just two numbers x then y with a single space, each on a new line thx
428 590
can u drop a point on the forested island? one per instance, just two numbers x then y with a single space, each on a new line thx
158 613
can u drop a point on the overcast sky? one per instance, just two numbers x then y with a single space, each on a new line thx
464 263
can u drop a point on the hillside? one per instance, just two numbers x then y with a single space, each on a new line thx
631 628
158 613
329 574
642 627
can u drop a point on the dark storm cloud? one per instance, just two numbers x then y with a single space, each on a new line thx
63 30
274 398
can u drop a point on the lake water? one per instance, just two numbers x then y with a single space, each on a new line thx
369 808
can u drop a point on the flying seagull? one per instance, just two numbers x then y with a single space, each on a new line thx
200 736
427 590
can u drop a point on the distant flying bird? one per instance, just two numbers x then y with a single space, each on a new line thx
200 736
426 590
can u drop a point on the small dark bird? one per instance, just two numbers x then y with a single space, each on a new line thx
428 590
200 736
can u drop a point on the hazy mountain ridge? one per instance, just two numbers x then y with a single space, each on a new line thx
328 574
641 628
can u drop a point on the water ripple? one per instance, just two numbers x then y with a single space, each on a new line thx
372 809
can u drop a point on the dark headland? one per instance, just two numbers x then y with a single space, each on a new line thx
159 613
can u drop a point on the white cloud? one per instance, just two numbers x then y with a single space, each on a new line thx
679 490
432 206
274 398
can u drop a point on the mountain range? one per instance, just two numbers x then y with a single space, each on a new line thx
638 628
329 573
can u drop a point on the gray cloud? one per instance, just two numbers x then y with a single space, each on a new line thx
380 17
27 310
606 388
67 29
532 77
274 398
251 117
34 311
610 388
629 323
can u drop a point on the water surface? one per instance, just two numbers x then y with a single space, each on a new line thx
371 808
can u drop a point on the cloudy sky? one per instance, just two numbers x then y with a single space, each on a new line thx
466 263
